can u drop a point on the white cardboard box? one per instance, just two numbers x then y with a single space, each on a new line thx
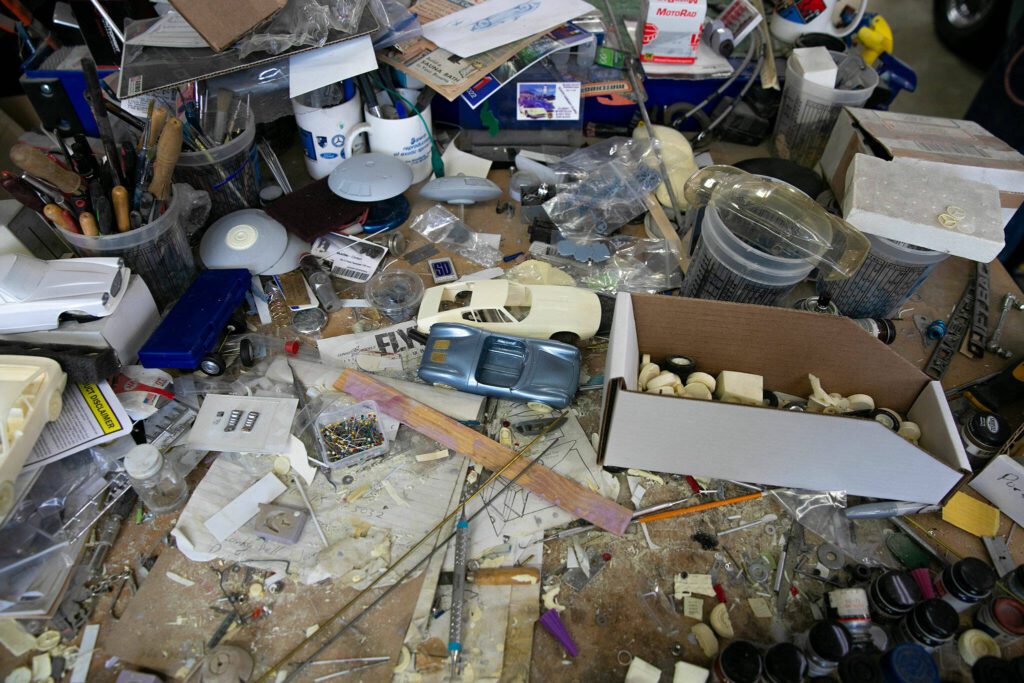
963 148
767 445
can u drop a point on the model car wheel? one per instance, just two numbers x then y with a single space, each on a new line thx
681 365
54 407
538 407
447 387
975 29
245 353
566 338
213 364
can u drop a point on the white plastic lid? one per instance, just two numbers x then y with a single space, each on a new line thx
143 461
248 239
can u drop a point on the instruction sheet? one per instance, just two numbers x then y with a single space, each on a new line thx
92 415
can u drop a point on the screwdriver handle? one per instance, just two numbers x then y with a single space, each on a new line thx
61 218
89 225
157 125
35 162
119 195
167 152
21 191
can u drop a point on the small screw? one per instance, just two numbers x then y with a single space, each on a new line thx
677 649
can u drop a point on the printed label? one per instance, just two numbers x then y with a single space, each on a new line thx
548 101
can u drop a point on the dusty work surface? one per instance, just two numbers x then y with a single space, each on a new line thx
167 624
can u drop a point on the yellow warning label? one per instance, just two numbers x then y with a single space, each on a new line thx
101 410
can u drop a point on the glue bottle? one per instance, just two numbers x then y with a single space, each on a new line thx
965 583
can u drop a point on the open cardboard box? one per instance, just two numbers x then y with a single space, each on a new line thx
767 445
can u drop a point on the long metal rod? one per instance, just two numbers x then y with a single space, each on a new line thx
415 567
458 508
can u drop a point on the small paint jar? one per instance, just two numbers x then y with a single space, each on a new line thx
738 662
993 670
849 606
930 624
154 479
965 583
892 594
1001 617
860 667
909 663
825 644
1013 583
983 435
784 663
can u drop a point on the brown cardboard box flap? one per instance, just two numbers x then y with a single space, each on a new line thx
222 23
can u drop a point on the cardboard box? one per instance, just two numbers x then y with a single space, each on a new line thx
767 445
963 148
222 23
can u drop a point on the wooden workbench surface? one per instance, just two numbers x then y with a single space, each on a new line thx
605 617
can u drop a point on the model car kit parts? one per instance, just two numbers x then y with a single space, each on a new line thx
350 434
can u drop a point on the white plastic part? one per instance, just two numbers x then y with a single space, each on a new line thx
721 622
642 672
975 644
689 673
739 387
648 372
664 379
665 390
143 461
702 378
705 639
910 431
861 402
698 390
30 396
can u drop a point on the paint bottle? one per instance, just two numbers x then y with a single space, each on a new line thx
738 662
860 667
892 594
784 663
1001 616
1012 584
826 643
909 663
880 328
965 583
849 606
993 670
983 435
160 488
930 624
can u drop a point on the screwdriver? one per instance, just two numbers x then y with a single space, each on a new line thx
35 162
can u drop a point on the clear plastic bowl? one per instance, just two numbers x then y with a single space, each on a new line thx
395 293
361 426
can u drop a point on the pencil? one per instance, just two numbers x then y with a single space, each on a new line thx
678 512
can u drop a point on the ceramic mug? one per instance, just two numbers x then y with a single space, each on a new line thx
794 18
404 138
325 131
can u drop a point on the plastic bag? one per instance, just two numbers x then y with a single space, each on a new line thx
441 226
822 513
602 187
636 265
397 23
303 22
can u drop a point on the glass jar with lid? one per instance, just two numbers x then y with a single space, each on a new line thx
159 487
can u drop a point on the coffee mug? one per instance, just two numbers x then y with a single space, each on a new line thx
404 138
794 18
324 133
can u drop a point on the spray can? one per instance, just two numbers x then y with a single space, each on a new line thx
850 608
965 583
825 644
738 662
930 624
784 663
880 328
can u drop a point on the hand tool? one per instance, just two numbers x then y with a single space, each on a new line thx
99 112
21 191
459 585
88 224
35 162
1010 302
669 514
888 509
62 218
167 152
101 206
119 197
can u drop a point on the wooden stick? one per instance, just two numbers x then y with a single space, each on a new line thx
549 485
678 512
504 576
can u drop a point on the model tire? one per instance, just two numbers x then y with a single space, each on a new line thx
973 29
213 364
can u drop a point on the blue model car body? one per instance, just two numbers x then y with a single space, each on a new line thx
512 368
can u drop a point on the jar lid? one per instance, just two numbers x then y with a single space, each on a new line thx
829 640
991 670
740 662
143 461
988 430
910 663
973 576
898 590
860 667
975 644
785 663
937 617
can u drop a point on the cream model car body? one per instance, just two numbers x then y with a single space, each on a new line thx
566 314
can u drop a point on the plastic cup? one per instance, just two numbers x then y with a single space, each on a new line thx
808 111
727 268
890 274
159 252
228 172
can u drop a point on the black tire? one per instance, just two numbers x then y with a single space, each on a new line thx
245 353
566 338
213 364
973 29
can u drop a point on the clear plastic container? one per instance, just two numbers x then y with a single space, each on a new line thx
159 252
160 487
348 435
229 172
254 347
809 110
395 293
728 268
891 273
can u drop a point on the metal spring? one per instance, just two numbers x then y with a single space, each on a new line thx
233 419
250 421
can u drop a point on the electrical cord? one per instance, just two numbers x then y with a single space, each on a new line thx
435 153
747 58
759 48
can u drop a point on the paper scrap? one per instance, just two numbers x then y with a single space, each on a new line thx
179 579
693 608
495 23
316 68
434 455
243 508
760 608
1002 482
457 162
298 460
92 415
693 584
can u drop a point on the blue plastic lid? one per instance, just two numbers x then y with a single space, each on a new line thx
909 663
196 321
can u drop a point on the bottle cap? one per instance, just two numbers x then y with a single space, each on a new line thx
909 662
143 461
975 644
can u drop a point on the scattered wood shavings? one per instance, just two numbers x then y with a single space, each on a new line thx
644 474
647 537
550 598
433 455
395 495
179 579
310 630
